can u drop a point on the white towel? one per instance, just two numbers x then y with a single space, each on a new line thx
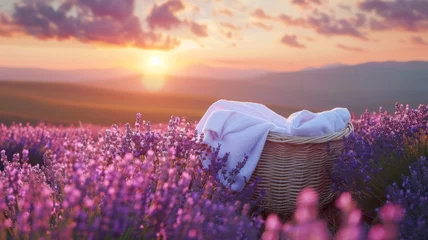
308 124
242 128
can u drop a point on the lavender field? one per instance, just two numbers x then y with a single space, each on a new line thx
100 101
140 181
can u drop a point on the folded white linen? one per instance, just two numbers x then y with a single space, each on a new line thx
242 128
307 124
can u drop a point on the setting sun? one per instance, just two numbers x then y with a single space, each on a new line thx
156 65
156 61
155 72
219 119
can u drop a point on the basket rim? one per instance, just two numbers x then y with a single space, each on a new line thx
335 136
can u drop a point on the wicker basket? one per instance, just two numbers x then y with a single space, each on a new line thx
289 164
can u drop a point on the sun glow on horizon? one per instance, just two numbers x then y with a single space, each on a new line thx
156 61
155 71
156 64
153 82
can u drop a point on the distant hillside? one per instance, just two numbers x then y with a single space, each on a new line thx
49 75
83 75
70 103
358 87
202 71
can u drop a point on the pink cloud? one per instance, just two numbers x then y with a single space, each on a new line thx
199 29
229 26
260 14
164 15
262 26
328 25
291 40
111 8
306 3
287 20
309 39
398 14
103 21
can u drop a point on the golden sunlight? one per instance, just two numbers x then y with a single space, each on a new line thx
155 72
155 65
156 61
153 82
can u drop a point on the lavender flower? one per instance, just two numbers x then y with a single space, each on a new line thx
378 152
412 195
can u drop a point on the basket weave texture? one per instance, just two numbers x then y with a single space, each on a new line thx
288 164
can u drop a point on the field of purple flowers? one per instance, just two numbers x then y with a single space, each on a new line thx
147 182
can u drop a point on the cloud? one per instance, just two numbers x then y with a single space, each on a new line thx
327 25
416 40
229 26
291 40
306 3
360 20
231 34
260 14
287 20
348 48
110 8
102 21
378 25
164 15
262 26
199 29
229 30
6 28
398 14
225 12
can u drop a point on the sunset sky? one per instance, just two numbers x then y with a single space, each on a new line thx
280 35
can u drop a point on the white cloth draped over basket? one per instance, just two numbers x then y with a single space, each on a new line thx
242 128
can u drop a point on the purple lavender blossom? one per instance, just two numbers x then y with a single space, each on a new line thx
124 184
378 152
147 181
412 195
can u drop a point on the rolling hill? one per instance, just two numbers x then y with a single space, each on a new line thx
358 87
117 100
66 103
